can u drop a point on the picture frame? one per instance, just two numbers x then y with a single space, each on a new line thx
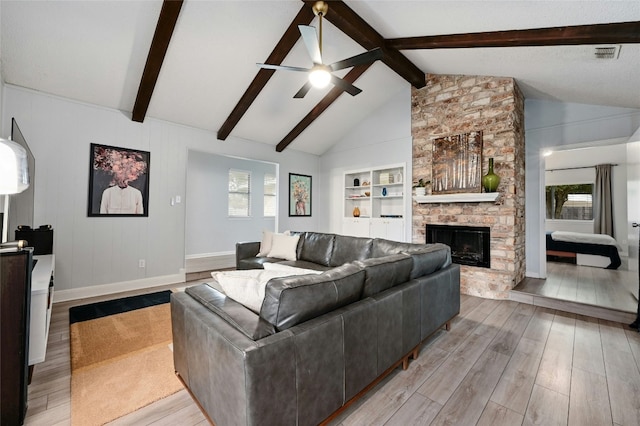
299 195
456 165
118 181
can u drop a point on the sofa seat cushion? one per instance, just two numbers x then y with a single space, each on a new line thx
316 247
429 258
255 262
349 249
304 264
292 300
382 273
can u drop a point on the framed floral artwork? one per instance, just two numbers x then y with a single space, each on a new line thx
299 195
118 181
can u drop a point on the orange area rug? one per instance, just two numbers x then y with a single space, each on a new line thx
120 362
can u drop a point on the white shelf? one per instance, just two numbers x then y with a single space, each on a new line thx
457 198
373 207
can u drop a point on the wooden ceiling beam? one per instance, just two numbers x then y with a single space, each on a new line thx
350 23
282 49
622 32
159 45
333 94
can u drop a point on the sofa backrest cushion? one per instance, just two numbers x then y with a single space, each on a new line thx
382 247
429 258
348 249
316 247
385 272
292 300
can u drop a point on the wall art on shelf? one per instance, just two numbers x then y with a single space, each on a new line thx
118 181
457 164
299 195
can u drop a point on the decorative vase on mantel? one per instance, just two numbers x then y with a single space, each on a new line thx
490 181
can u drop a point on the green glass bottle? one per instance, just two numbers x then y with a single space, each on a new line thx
490 181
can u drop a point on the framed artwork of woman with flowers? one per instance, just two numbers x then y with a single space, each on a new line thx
299 195
118 181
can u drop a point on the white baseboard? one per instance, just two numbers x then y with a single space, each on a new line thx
210 261
105 289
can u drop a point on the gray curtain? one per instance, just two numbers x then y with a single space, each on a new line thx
602 201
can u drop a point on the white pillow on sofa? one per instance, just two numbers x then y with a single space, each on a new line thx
284 246
267 240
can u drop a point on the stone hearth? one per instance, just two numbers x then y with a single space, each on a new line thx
451 105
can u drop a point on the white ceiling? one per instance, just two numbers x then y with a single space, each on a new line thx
95 51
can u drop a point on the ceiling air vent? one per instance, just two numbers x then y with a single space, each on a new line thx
607 52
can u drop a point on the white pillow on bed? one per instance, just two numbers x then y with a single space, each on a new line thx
284 246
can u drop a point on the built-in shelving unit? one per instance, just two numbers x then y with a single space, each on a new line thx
379 194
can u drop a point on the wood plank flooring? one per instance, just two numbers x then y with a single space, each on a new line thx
502 363
602 293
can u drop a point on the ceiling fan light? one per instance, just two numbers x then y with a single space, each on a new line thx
319 78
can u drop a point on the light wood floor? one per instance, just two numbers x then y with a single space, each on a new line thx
502 363
613 290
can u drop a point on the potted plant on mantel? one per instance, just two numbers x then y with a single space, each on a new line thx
420 187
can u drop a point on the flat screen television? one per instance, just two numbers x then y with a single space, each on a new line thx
21 205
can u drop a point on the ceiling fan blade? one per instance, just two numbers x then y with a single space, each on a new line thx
303 90
363 58
310 38
345 85
282 67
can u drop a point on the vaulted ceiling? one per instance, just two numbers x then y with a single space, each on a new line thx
96 51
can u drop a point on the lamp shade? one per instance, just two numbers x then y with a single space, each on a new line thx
14 169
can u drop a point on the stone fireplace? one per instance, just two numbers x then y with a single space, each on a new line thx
453 105
469 244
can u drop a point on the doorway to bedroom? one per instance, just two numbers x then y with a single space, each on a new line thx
577 257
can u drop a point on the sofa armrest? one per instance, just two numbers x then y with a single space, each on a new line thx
211 354
246 250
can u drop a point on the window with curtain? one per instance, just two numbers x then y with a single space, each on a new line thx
269 195
569 202
239 193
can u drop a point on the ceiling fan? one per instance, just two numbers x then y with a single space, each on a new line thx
320 75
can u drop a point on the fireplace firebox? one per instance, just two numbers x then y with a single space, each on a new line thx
469 244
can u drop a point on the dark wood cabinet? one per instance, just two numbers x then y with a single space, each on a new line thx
15 302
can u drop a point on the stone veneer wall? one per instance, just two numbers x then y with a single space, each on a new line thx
451 105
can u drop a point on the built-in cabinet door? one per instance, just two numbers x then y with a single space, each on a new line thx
355 227
390 229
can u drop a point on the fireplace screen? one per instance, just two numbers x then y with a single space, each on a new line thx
469 244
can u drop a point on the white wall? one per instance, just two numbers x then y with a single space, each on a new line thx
104 251
209 229
554 124
382 138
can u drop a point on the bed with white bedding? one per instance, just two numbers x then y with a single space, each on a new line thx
598 250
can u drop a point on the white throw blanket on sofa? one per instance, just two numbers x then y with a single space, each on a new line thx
247 287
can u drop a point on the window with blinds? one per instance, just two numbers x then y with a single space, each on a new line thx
269 195
239 193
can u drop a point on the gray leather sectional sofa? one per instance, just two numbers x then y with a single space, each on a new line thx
319 340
